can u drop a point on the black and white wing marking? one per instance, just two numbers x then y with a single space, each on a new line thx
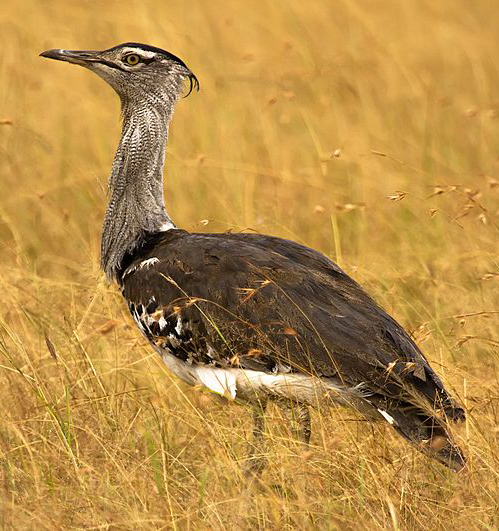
262 303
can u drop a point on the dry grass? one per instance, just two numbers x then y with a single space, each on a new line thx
94 433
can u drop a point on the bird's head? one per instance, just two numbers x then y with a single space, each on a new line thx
135 71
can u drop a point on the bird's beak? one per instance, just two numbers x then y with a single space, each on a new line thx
77 57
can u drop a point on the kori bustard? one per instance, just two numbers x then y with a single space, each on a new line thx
249 316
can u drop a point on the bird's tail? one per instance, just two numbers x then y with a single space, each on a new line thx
427 432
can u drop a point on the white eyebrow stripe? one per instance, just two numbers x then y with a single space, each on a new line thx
142 53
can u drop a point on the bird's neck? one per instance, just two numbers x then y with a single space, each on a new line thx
136 205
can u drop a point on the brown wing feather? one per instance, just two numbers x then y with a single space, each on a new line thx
260 301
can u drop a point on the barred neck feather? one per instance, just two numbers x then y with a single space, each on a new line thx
136 206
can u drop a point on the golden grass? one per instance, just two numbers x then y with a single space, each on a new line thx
312 120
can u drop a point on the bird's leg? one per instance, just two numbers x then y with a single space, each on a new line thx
300 421
305 423
256 458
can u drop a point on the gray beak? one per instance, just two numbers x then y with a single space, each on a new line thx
77 57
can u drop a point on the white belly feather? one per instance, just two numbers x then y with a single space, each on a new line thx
247 384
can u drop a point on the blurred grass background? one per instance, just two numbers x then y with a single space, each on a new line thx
365 129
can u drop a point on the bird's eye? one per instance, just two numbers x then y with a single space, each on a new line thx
132 59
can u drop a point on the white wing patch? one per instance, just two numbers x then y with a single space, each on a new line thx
179 327
145 263
166 226
148 263
219 381
387 417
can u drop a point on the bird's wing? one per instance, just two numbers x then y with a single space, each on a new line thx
260 302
